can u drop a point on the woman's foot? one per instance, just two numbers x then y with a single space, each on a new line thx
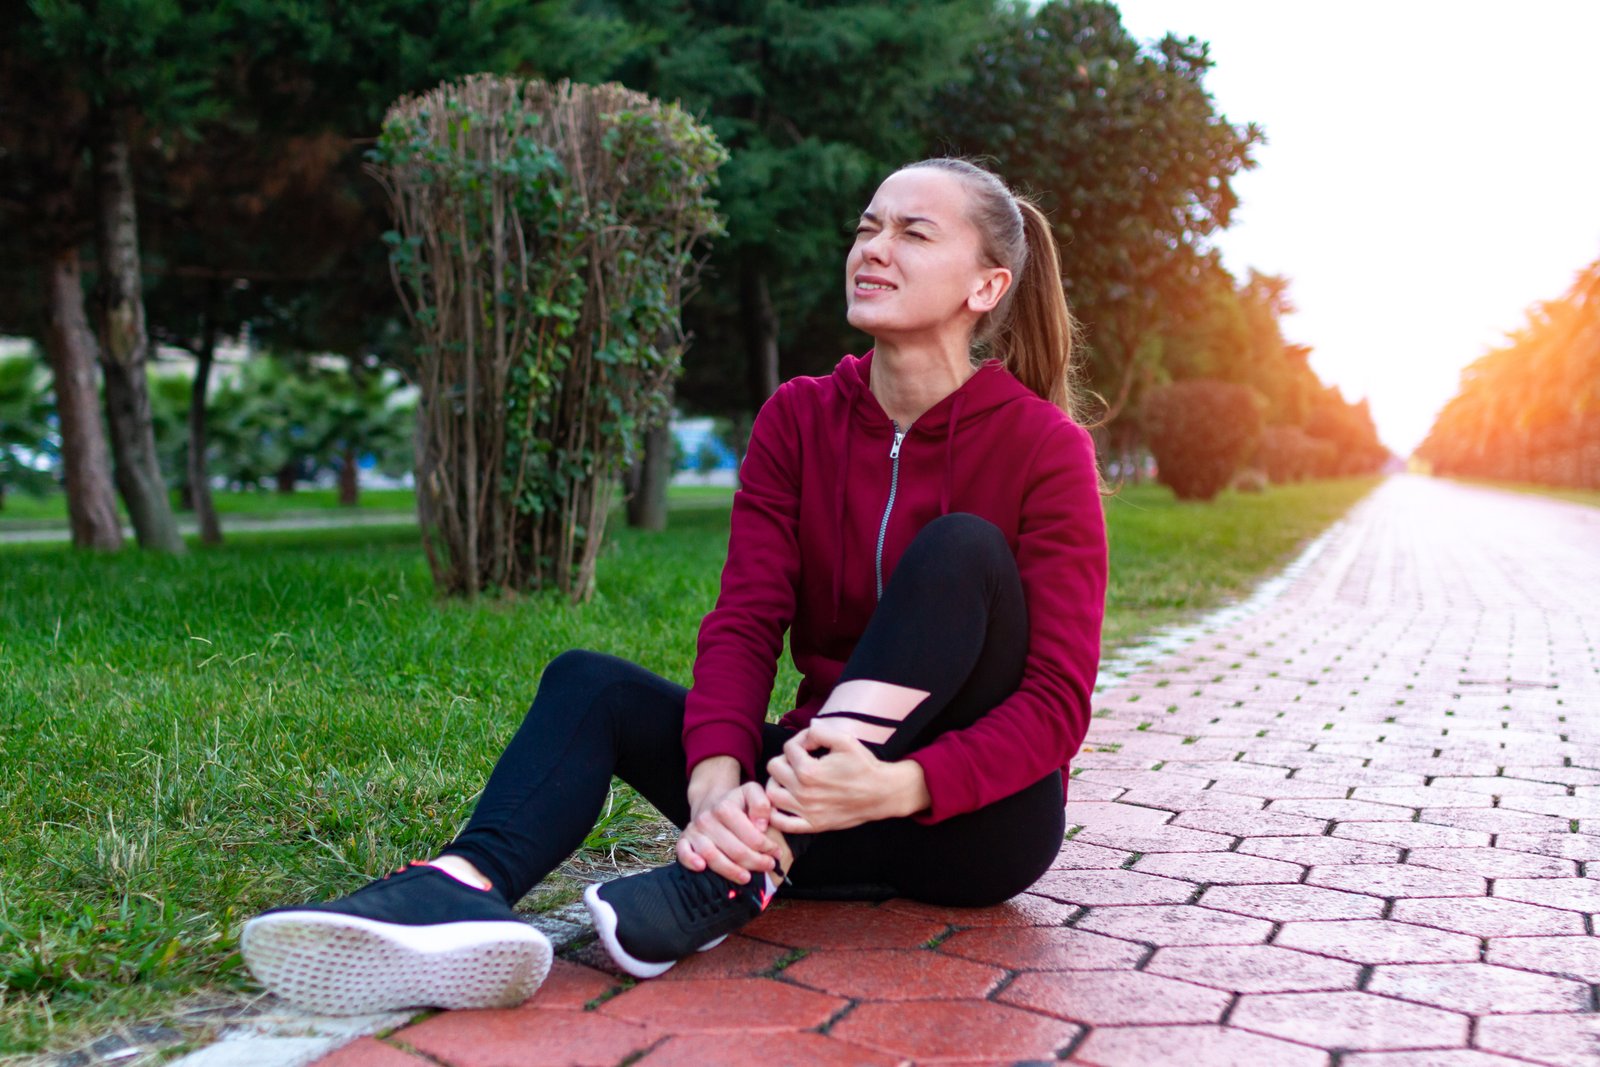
418 938
650 921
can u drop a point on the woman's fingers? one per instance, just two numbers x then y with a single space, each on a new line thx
786 823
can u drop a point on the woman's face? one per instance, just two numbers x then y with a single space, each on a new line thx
916 267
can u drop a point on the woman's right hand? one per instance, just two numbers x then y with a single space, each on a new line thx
727 832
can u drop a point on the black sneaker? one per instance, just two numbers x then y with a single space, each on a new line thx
650 921
418 938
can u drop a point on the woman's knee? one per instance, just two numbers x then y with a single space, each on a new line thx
961 540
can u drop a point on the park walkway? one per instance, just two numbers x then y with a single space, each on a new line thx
1354 823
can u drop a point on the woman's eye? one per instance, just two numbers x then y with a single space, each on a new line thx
918 236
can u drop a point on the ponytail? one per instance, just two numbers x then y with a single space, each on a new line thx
1031 329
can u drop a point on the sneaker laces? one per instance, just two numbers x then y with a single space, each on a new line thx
705 893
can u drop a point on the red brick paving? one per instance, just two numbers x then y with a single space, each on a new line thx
1354 822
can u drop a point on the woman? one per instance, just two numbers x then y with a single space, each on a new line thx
927 529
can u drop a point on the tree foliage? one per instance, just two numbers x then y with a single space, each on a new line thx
1124 147
1530 409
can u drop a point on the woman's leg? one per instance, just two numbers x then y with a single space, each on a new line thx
947 642
593 716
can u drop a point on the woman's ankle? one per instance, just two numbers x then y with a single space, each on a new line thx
462 870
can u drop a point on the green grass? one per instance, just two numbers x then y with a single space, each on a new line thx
1591 497
187 741
22 511
1170 558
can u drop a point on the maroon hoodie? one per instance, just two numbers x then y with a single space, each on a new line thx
822 516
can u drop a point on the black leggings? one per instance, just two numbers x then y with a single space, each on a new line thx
951 622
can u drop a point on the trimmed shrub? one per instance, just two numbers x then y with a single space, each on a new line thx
1286 453
1200 432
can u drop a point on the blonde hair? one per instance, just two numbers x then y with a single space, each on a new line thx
1031 330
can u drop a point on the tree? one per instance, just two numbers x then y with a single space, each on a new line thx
1128 155
44 219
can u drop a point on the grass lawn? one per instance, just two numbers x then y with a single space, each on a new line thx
22 511
187 741
1590 497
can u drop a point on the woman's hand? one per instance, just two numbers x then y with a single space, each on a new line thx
728 826
845 787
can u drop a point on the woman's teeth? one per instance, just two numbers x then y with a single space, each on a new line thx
872 285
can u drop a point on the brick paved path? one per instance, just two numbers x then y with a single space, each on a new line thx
1357 824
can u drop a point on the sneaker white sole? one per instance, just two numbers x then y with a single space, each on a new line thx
346 965
605 926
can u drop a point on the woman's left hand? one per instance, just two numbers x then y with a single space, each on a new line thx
844 787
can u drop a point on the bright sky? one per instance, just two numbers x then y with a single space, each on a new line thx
1433 168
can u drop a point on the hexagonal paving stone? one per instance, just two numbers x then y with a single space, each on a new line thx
531 1037
1176 924
1117 998
1493 820
1046 948
1225 1046
1111 887
1078 855
1499 786
1578 807
571 986
1560 1040
1319 851
1254 968
894 974
1100 815
942 1031
1251 823
1488 917
1479 988
366 1052
1411 834
1342 810
806 924
1356 1021
793 1050
1422 796
1172 799
1024 909
1220 868
737 957
1461 1057
1559 774
1378 941
1281 788
1570 846
1568 956
1286 903
1361 776
1492 862
1397 880
1155 839
1572 894
738 1004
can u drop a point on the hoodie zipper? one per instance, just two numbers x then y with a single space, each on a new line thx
894 484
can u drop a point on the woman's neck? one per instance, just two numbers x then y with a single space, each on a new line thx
908 379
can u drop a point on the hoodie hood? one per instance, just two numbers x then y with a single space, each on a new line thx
990 387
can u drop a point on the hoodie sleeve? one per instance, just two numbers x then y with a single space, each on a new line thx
1061 558
736 659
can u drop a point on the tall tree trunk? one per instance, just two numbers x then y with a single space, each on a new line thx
647 506
287 475
349 479
761 335
124 345
205 510
70 346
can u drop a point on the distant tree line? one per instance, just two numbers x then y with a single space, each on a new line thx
176 172
1529 410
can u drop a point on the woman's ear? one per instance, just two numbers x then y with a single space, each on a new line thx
992 285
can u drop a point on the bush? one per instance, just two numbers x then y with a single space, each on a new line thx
1286 454
1250 480
1200 433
